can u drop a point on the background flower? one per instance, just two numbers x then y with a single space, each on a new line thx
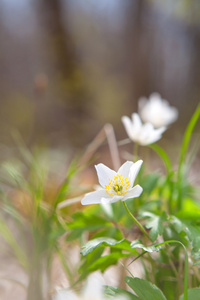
143 134
157 111
93 290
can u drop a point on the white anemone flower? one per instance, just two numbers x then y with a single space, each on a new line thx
93 290
115 186
143 134
157 111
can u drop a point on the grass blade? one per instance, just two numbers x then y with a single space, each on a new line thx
164 157
184 148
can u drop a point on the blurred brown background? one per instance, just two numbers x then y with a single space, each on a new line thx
70 66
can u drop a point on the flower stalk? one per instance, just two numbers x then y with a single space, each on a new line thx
136 221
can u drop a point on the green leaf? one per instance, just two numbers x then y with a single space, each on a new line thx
106 242
149 182
155 223
111 232
193 294
91 245
113 292
190 211
75 234
95 261
106 261
84 221
88 221
197 263
84 270
150 249
144 289
177 224
192 231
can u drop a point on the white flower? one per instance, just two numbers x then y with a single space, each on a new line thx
93 290
157 111
115 185
143 134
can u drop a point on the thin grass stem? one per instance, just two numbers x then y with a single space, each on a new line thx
136 221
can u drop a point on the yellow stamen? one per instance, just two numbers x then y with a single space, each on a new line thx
118 186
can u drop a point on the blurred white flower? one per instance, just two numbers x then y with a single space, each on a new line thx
157 111
93 290
115 185
143 134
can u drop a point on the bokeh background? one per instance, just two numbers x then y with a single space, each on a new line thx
70 66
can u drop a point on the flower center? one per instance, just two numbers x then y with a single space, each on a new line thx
117 186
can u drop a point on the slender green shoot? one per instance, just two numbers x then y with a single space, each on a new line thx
136 221
184 148
163 156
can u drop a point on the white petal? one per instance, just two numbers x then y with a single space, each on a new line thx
104 174
128 126
116 198
136 127
125 168
155 97
107 208
134 171
157 111
111 199
172 115
136 121
152 139
154 136
141 103
146 133
150 135
161 129
65 294
148 127
122 297
133 193
94 197
93 288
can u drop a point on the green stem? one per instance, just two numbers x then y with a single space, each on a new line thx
136 221
184 149
169 170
